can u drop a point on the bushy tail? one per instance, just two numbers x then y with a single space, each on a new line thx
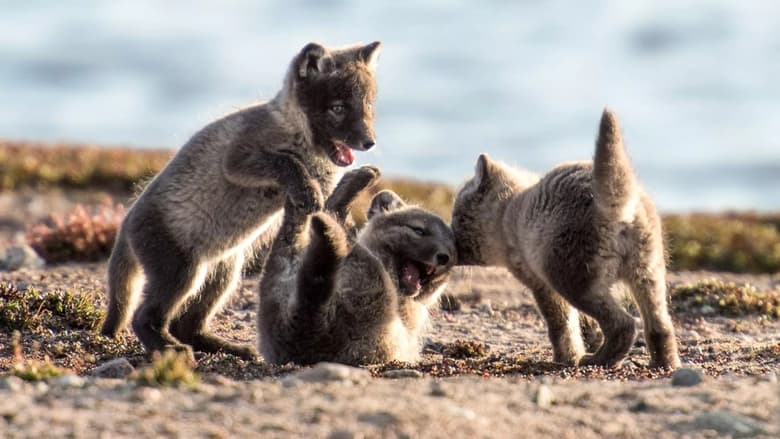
123 273
614 184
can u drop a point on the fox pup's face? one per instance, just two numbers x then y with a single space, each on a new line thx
336 90
420 244
474 212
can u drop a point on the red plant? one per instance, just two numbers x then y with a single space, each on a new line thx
79 237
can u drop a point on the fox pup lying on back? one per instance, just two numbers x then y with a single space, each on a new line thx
188 232
324 298
570 236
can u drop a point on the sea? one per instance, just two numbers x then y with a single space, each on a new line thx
695 83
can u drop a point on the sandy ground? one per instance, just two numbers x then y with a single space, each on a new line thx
511 390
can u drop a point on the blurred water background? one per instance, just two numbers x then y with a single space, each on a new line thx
696 83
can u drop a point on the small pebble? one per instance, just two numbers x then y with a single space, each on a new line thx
40 387
726 423
69 381
437 389
116 368
381 419
686 377
11 383
147 394
486 308
342 434
544 396
324 372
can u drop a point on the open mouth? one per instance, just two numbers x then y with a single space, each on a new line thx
341 154
414 276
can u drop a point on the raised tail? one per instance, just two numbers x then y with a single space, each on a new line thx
123 275
614 185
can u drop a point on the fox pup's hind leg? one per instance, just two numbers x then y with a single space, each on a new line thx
327 249
191 326
617 325
123 271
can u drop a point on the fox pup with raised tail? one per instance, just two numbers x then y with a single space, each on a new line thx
325 298
184 240
571 236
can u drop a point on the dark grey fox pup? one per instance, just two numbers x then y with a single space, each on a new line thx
188 232
571 236
323 298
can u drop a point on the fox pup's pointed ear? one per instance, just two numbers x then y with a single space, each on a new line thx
369 54
483 170
383 202
313 60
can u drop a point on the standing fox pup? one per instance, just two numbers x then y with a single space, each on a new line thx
571 236
188 232
323 298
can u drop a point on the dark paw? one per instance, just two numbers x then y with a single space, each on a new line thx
310 200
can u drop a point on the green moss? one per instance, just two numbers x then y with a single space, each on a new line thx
725 298
76 165
745 243
30 309
171 369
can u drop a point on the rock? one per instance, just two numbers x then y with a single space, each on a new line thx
11 383
486 308
402 373
641 406
437 389
325 372
116 368
146 394
20 256
69 381
686 377
380 419
728 424
40 387
342 434
290 381
544 396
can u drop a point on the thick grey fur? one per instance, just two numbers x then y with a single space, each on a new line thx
573 236
324 298
184 240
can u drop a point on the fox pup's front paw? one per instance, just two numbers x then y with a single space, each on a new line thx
310 199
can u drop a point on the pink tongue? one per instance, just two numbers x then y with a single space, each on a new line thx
345 155
410 276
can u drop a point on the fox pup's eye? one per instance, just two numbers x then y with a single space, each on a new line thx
337 109
418 230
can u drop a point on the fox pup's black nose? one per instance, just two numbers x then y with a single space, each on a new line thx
442 259
368 144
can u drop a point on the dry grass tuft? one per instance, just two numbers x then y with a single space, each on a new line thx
171 369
